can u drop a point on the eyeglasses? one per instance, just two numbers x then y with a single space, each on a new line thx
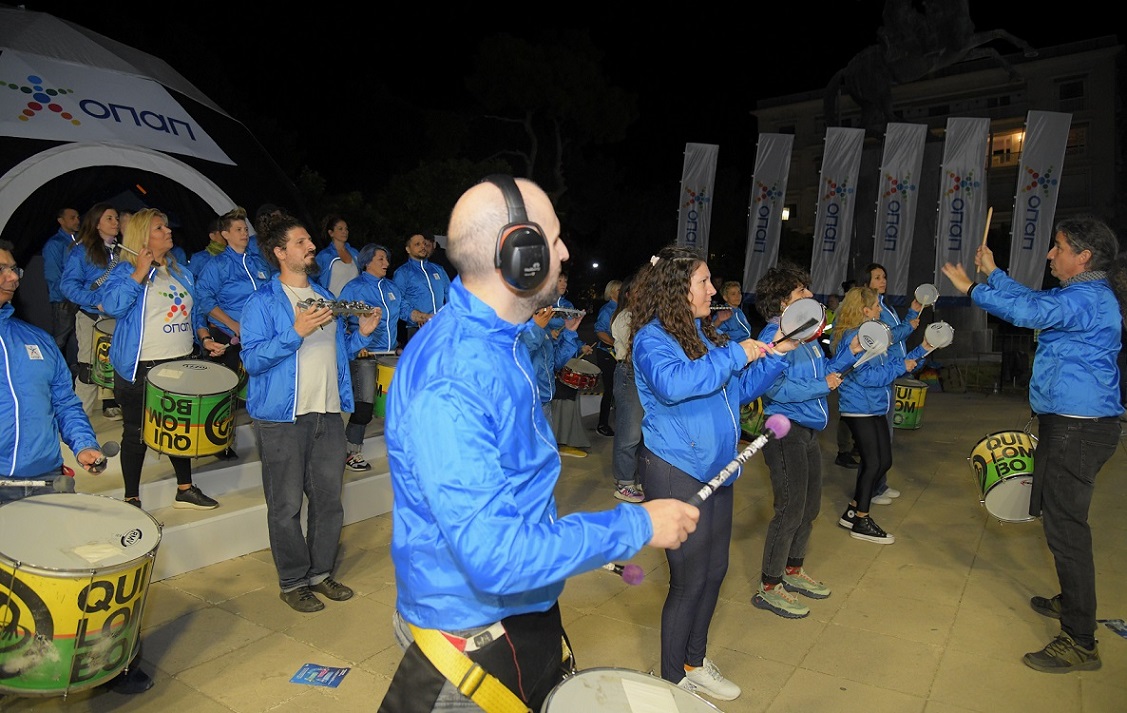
17 271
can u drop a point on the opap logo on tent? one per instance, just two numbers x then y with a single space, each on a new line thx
41 98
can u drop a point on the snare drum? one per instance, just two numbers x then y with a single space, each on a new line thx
580 374
74 575
620 690
101 370
385 369
189 408
1003 471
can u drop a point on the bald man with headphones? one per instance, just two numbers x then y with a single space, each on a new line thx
480 552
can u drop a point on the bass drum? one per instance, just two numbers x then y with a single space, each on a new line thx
620 690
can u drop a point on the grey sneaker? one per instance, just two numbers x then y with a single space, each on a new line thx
629 493
805 585
709 681
1062 655
778 600
1046 607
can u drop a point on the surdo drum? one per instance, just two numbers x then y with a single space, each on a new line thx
74 576
189 408
1003 471
620 690
101 370
580 374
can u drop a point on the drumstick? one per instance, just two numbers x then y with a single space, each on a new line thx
631 573
800 328
776 426
986 230
869 354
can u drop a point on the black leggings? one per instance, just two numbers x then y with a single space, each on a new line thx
131 398
871 436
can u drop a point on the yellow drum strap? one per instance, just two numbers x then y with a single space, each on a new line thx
471 680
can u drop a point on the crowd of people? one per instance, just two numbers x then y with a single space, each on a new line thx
481 553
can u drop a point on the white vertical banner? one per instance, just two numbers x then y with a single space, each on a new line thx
696 197
833 224
765 214
897 196
1035 201
961 216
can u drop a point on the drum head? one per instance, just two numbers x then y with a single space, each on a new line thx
582 366
875 336
105 325
939 334
806 311
192 377
75 532
927 294
614 690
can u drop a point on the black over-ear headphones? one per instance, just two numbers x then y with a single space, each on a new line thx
522 253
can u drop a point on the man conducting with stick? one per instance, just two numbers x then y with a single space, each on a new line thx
1074 393
481 554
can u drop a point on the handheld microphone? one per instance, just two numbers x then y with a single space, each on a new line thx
109 450
777 426
631 574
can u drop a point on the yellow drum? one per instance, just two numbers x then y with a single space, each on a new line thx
1003 470
752 418
910 397
385 369
189 408
101 371
74 575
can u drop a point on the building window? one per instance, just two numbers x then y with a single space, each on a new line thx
1071 94
1005 148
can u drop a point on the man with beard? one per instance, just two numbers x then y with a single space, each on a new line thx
297 359
480 553
424 285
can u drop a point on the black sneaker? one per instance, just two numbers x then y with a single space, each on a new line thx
227 454
845 460
135 502
193 497
1046 607
130 682
1062 655
848 518
303 600
865 529
332 589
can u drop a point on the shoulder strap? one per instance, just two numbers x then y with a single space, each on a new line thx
471 680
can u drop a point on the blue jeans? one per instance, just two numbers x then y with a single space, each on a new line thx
627 426
696 569
363 373
795 464
1070 452
303 460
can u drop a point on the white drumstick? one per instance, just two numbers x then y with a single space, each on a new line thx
776 426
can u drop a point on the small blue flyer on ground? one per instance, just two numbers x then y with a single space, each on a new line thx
1116 625
313 675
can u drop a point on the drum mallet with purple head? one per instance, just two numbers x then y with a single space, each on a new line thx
777 426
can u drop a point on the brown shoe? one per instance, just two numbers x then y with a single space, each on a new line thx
303 600
332 589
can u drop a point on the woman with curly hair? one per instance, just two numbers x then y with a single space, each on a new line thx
691 382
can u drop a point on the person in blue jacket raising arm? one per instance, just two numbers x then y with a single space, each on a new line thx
481 554
691 382
1074 393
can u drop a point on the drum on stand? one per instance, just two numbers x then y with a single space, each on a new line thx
189 408
101 370
910 396
74 576
385 369
1003 470
620 690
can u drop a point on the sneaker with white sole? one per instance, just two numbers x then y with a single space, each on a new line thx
709 681
779 601
881 500
687 685
629 493
572 452
848 518
193 498
865 529
357 463
890 492
802 583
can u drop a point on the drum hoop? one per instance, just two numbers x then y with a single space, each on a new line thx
154 375
658 681
943 329
929 290
798 313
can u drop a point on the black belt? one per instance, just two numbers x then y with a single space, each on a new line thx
92 315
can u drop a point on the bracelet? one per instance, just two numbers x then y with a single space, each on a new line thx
204 339
971 288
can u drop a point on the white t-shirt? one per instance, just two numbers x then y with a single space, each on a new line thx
317 390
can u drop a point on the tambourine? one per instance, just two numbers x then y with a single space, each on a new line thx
875 338
339 307
927 294
939 334
802 320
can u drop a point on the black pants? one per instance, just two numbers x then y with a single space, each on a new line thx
606 363
130 397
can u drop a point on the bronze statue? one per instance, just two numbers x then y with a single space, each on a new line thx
918 37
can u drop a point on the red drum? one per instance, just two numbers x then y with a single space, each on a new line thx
580 374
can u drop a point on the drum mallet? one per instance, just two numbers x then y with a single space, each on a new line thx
630 573
777 426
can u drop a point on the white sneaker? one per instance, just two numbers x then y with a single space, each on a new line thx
891 492
711 682
688 685
881 500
